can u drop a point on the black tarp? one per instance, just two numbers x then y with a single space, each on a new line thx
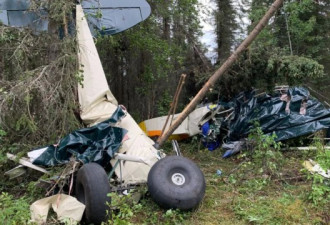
93 144
288 113
270 112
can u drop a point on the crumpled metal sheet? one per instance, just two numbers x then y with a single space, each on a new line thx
98 104
93 144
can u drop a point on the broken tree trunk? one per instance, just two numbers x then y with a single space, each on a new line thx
227 64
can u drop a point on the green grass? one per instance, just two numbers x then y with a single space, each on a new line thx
13 211
240 199
251 200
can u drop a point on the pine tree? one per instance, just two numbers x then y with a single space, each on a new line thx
226 25
144 64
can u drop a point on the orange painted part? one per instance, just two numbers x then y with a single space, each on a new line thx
153 133
157 133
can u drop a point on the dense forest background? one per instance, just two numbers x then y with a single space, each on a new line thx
39 73
144 64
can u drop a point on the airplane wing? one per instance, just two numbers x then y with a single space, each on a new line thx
114 16
105 17
16 13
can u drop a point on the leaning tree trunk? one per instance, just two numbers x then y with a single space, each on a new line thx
227 64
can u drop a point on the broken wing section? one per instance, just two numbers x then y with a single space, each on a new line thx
93 92
189 127
112 16
98 104
15 13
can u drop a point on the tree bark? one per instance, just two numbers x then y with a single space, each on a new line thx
227 64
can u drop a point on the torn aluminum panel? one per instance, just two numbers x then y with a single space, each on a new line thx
16 172
26 162
314 167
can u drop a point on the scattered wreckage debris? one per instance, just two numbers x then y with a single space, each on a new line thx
288 112
98 104
189 127
97 143
305 148
314 167
65 206
113 150
25 162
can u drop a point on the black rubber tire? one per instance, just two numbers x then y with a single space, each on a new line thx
92 187
166 193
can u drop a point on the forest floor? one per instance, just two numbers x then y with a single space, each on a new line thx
233 197
250 200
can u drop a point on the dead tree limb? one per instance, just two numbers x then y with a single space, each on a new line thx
176 99
174 103
227 64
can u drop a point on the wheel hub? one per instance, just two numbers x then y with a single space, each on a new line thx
178 179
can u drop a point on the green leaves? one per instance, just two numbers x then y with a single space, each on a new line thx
146 61
300 26
320 189
14 211
294 69
266 158
38 77
2 133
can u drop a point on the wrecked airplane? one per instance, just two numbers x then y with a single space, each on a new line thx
288 112
116 144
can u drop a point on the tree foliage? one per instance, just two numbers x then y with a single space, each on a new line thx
39 72
144 64
292 49
226 25
37 81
